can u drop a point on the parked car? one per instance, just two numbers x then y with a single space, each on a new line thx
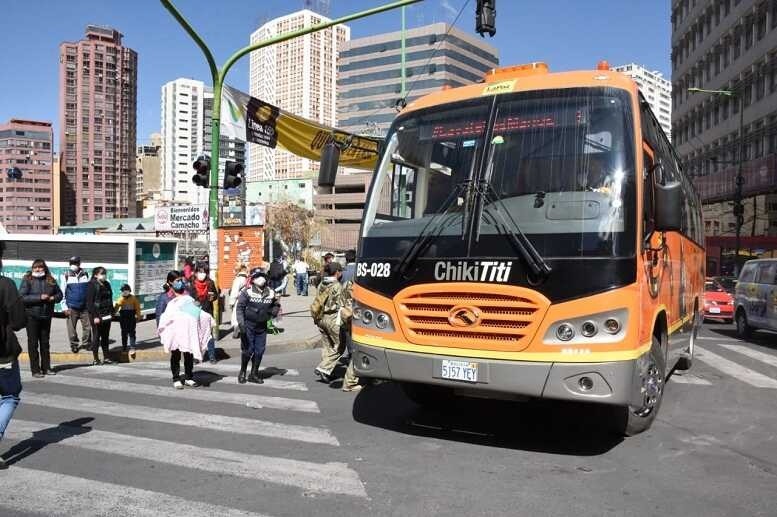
728 283
718 303
755 300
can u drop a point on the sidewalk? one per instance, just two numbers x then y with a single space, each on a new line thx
299 333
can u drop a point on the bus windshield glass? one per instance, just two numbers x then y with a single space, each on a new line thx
559 164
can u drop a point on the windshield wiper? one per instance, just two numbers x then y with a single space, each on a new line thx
437 223
529 253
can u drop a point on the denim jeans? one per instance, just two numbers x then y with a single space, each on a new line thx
253 345
10 387
301 283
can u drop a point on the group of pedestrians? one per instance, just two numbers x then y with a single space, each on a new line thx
332 312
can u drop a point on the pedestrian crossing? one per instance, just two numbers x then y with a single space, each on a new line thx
745 363
129 417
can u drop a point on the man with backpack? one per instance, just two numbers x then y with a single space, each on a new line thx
74 283
13 317
325 311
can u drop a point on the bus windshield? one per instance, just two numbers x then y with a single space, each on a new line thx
560 163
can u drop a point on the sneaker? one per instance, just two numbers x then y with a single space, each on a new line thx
325 377
38 375
191 383
74 349
96 362
213 361
3 464
50 372
358 387
107 361
178 385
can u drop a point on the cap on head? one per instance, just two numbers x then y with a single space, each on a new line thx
75 260
258 273
126 287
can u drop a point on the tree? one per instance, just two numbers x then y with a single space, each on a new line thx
292 224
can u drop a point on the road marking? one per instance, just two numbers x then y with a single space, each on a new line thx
212 422
165 374
64 495
325 478
706 338
689 378
202 394
735 370
769 359
226 367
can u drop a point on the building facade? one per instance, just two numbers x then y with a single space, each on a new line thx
299 76
26 202
728 45
186 110
657 91
299 191
369 72
148 176
97 118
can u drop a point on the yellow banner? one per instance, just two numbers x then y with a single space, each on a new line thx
254 120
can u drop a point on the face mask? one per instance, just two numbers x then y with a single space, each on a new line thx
38 274
259 282
125 293
74 268
101 278
201 276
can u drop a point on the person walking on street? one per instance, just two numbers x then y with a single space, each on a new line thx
13 317
326 315
301 276
238 284
74 282
184 329
128 308
40 293
351 381
205 293
256 306
99 304
276 273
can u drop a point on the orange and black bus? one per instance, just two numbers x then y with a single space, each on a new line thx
533 235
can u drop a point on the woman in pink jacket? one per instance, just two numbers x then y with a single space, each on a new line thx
184 329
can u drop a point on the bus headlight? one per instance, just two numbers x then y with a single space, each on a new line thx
585 330
368 317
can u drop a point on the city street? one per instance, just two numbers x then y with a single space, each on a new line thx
119 440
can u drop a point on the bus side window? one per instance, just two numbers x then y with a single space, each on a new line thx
647 200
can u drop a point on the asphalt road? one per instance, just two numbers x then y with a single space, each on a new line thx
120 440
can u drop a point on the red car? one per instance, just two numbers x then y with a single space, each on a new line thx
718 304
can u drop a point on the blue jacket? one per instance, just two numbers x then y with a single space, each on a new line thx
75 290
161 304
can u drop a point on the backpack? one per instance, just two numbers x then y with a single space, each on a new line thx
317 307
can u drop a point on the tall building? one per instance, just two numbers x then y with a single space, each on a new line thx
728 45
657 91
369 72
187 106
148 167
25 205
300 76
97 115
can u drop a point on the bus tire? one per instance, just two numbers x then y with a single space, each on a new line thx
426 395
744 330
637 420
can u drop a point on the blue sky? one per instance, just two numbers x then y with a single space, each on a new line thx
567 34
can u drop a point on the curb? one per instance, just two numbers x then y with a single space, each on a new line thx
159 354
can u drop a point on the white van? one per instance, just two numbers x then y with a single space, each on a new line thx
755 300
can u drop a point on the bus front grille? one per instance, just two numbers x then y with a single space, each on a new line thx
462 316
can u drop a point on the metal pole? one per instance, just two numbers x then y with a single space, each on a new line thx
739 183
402 58
219 76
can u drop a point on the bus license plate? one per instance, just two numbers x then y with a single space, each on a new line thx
459 370
714 310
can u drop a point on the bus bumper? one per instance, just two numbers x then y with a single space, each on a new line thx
615 382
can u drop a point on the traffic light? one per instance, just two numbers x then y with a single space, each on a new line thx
233 173
201 175
485 17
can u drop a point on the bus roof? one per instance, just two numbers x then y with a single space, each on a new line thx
522 78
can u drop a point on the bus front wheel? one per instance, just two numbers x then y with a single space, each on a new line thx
639 419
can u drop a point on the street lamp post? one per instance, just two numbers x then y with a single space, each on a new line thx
740 180
218 76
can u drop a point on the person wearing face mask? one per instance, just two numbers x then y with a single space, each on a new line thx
205 293
167 293
74 282
99 304
255 307
128 308
40 293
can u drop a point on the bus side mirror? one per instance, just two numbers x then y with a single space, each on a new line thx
330 160
668 203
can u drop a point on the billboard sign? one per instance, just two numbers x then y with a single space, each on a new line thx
181 219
